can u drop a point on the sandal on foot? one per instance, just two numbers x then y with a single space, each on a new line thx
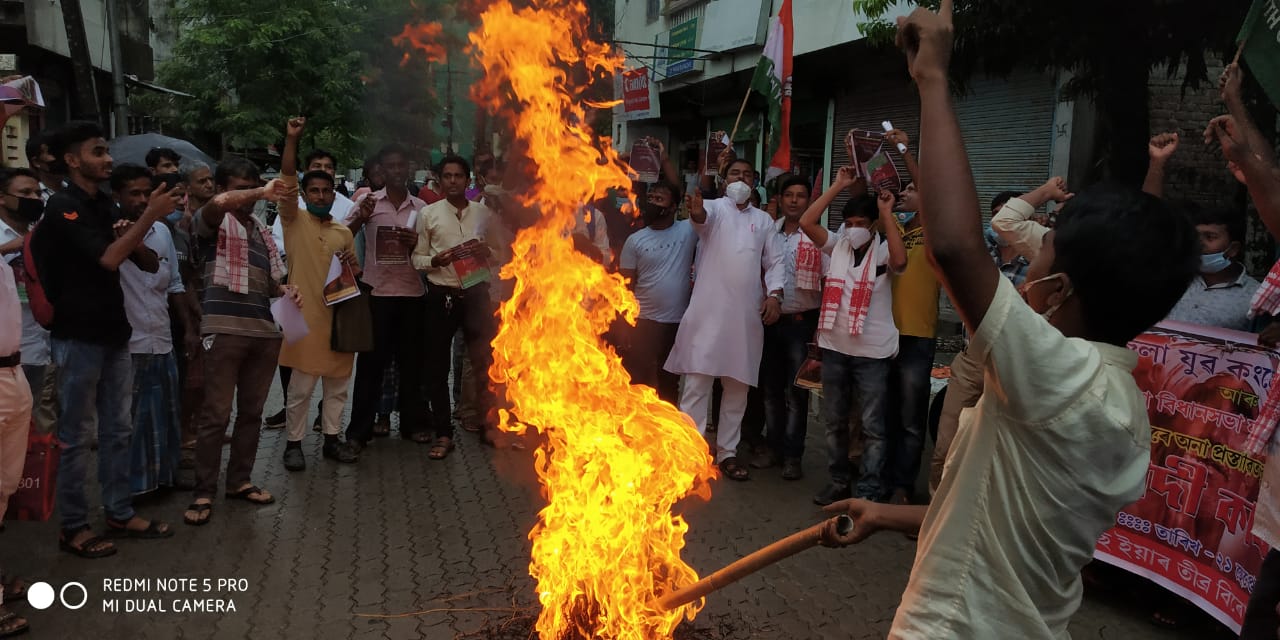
382 429
200 509
440 450
734 470
422 437
91 548
12 624
154 531
247 494
15 590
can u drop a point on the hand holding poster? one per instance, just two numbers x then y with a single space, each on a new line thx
393 245
645 161
717 142
341 282
1192 531
866 149
471 263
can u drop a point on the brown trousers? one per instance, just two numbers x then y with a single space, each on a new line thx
240 369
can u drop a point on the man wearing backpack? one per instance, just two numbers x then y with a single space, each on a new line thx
78 249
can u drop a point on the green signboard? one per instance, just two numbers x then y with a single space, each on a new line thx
683 38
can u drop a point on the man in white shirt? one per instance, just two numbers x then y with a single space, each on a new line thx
658 260
722 332
20 208
148 299
1061 441
452 253
343 207
786 342
856 333
1016 221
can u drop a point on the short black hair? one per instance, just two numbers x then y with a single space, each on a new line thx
69 137
454 159
796 181
316 154
861 206
1232 219
123 174
236 167
1003 197
316 175
671 190
157 154
392 149
1130 257
7 176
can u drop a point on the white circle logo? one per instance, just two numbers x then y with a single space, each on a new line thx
84 595
40 595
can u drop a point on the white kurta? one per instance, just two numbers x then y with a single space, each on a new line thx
721 334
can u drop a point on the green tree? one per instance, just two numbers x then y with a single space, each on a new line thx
1110 47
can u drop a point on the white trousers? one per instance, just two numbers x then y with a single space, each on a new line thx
298 402
695 400
15 421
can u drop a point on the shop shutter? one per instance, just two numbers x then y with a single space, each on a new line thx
1008 133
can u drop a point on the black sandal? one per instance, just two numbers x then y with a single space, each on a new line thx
244 494
9 626
15 590
199 508
117 529
85 550
734 470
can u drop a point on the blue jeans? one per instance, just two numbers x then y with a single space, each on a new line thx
843 377
95 385
786 406
909 392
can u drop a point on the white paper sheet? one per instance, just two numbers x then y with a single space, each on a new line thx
289 317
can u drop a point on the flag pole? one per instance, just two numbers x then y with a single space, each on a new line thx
734 134
1240 50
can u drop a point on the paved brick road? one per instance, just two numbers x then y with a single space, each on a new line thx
399 533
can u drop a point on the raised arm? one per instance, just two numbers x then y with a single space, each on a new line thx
892 234
1262 180
1013 222
288 202
697 212
1229 84
128 245
950 211
1160 149
227 201
811 220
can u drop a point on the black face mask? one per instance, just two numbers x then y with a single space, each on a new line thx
29 209
652 212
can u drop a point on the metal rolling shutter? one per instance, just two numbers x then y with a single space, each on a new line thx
1008 133
866 108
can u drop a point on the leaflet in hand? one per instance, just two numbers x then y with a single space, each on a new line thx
391 250
471 263
340 284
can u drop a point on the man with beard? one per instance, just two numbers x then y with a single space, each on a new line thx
658 260
79 248
722 332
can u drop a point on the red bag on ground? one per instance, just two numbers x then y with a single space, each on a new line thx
33 501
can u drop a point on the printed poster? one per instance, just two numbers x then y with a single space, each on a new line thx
866 149
390 250
645 161
471 263
717 142
340 284
1191 532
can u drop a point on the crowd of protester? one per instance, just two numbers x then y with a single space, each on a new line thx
161 281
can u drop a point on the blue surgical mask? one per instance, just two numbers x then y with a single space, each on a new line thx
1214 262
905 217
174 217
319 210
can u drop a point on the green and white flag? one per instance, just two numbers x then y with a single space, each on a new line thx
1261 38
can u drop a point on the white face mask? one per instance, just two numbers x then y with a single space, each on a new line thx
858 237
739 192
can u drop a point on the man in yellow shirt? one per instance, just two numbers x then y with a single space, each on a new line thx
311 240
1061 440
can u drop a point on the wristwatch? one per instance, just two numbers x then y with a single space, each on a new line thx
776 296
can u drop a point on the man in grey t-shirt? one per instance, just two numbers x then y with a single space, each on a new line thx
658 260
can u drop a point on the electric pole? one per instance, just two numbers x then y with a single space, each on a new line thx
119 98
81 65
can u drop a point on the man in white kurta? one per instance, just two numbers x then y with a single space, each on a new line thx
722 332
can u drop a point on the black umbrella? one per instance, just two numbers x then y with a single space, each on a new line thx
133 149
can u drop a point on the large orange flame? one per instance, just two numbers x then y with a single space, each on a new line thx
425 37
616 458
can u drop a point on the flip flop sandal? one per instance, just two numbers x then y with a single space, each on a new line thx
734 470
85 550
440 450
7 619
15 590
117 529
244 494
199 508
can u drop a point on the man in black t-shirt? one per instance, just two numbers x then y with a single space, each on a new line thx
78 247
